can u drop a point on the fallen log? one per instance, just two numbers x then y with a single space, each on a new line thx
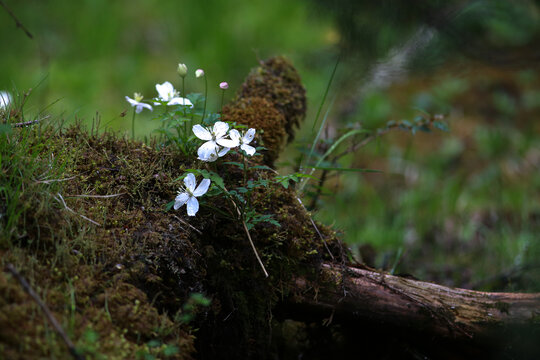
365 298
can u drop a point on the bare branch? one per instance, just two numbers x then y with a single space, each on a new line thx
17 22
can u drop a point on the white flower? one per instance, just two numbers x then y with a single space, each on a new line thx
244 140
5 99
190 194
172 97
137 103
224 85
182 70
210 151
199 73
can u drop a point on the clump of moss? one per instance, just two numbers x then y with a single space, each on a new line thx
119 283
275 83
261 114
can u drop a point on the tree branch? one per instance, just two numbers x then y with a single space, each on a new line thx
17 22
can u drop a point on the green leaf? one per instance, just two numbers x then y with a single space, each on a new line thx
440 125
424 128
215 178
239 165
405 123
262 167
169 206
171 350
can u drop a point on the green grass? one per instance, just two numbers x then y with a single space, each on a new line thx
461 206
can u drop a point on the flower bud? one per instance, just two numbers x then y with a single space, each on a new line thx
182 70
224 85
199 73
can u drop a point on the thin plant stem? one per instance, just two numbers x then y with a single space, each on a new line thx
133 124
222 98
325 93
184 106
254 249
205 97
247 233
248 194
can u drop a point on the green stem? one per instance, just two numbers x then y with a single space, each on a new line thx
133 124
205 97
245 186
184 105
222 98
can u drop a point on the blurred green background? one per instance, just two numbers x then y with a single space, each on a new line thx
461 208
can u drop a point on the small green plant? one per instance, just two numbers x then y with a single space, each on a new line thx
189 310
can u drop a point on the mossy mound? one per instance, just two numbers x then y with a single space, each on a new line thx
272 99
120 273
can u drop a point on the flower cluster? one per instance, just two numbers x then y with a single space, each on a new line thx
217 145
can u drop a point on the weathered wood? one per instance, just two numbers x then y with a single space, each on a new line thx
356 295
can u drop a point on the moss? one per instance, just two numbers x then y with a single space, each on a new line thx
121 285
274 84
503 307
261 114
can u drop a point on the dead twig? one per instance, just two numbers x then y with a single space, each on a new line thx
26 286
60 199
17 22
54 180
31 122
95 196
316 229
188 225
249 236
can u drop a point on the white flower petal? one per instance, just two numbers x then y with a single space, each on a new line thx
211 157
235 135
228 143
220 129
190 182
192 206
201 132
165 90
138 108
223 151
6 99
248 136
208 151
180 200
131 101
148 106
180 101
250 150
202 188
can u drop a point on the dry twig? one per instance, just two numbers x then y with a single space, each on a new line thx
26 286
17 22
